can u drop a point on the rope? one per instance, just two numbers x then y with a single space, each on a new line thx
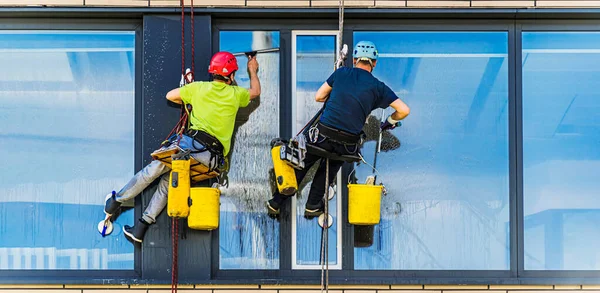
193 36
174 244
179 128
325 233
182 2
341 23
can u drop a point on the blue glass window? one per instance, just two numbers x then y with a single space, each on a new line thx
561 153
67 116
248 238
447 206
315 56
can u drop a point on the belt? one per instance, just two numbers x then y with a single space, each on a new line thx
338 135
207 140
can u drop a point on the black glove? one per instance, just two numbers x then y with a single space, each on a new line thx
390 124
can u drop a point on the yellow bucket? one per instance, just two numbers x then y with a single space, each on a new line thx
204 208
285 176
364 204
179 189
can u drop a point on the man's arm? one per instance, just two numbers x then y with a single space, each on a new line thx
254 89
174 96
325 89
402 110
323 93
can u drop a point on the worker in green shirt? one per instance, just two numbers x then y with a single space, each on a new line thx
214 108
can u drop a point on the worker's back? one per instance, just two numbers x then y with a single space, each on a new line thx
214 108
355 93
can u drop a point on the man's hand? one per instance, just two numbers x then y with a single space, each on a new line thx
253 73
252 65
390 124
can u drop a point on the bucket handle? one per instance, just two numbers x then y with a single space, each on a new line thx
364 161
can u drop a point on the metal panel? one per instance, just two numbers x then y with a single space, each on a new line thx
162 72
519 149
513 47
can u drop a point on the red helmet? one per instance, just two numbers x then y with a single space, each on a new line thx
223 63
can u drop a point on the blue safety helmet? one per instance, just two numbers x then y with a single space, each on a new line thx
365 50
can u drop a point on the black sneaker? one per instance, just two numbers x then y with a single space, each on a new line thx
137 232
314 210
111 205
272 207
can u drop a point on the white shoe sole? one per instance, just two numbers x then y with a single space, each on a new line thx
131 236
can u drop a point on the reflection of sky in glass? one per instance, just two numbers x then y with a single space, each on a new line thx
68 115
248 238
313 55
447 206
561 154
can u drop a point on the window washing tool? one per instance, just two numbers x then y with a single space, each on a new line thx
105 227
254 53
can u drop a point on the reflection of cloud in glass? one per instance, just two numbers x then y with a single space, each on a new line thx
68 112
315 56
561 158
447 203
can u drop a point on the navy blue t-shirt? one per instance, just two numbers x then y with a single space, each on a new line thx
355 94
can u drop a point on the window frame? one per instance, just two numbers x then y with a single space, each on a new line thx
92 24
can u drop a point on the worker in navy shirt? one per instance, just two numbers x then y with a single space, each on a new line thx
350 94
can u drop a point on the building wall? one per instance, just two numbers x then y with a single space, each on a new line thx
311 3
301 288
157 48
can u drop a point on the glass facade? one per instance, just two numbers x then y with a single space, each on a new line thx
248 238
561 150
446 168
67 116
67 110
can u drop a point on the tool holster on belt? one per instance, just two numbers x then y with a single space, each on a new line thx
338 136
210 142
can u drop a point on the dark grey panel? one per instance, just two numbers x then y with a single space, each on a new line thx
161 73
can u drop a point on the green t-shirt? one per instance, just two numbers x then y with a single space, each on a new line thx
214 107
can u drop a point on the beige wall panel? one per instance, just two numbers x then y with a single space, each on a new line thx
541 3
347 3
456 287
500 3
567 287
41 2
423 3
393 3
116 2
286 3
522 287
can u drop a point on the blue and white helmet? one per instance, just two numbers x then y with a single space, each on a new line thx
365 50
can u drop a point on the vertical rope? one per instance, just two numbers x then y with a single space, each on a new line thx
325 235
193 37
341 24
174 244
326 221
182 36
